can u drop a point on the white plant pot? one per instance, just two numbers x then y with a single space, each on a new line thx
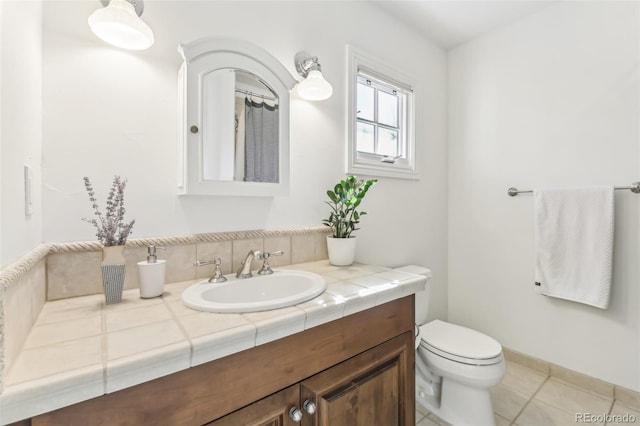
342 251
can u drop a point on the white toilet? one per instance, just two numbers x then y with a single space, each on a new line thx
455 368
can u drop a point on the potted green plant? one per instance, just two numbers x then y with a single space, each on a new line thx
345 198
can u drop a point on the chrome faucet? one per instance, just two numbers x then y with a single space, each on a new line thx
245 269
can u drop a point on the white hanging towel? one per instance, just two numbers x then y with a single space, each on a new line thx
574 243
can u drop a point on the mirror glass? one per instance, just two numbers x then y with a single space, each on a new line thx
240 131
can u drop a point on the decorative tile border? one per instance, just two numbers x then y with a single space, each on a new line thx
11 273
82 246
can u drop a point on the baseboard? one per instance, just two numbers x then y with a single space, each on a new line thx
626 396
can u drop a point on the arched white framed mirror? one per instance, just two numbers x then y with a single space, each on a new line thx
234 126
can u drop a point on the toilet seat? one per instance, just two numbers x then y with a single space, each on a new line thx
459 344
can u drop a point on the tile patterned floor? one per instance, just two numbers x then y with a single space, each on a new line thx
526 397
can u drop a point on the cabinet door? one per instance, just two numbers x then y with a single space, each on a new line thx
375 388
270 411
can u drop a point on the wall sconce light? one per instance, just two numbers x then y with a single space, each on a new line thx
118 23
314 87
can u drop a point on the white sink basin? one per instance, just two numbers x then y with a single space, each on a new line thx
258 293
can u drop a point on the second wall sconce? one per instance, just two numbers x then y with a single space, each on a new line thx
314 87
118 23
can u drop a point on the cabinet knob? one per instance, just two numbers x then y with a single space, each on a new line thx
194 129
309 406
296 414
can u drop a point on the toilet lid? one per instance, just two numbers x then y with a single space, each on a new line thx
459 341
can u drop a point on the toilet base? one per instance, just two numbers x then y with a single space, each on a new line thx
460 405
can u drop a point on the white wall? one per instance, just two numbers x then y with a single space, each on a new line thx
21 129
107 111
549 101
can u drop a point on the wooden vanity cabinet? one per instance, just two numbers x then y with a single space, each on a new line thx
357 370
370 389
270 411
375 388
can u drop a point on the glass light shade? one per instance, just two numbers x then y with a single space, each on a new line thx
314 87
119 25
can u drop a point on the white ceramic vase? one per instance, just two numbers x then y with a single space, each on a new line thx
113 269
342 251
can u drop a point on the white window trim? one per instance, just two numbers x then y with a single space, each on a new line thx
356 60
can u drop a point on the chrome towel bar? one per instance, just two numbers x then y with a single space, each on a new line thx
634 187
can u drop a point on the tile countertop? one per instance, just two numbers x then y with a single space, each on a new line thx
80 348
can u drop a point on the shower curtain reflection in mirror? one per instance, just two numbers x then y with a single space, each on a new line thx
260 147
240 131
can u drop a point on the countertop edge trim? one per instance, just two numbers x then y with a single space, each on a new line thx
125 364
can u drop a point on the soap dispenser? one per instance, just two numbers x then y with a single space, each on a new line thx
151 274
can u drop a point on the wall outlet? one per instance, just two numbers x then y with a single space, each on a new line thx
28 178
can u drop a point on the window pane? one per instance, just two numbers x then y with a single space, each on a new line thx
381 119
365 102
387 142
365 138
387 109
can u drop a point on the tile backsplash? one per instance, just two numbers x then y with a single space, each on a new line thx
64 270
21 305
77 273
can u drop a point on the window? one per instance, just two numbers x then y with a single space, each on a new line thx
381 137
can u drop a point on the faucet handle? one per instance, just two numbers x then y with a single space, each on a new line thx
266 269
217 276
268 254
217 273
